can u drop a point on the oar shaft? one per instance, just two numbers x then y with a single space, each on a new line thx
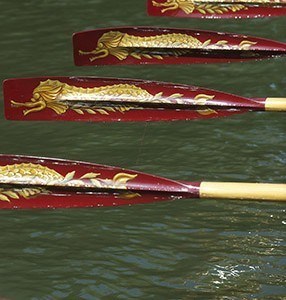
247 191
275 104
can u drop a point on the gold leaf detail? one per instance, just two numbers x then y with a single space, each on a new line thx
207 111
158 56
102 112
90 111
123 109
123 178
8 194
201 99
29 192
11 194
4 198
206 43
174 96
246 45
79 111
237 7
136 55
69 176
147 56
222 43
90 175
128 195
158 95
110 109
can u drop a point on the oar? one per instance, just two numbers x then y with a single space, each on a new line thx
37 182
152 45
109 99
219 9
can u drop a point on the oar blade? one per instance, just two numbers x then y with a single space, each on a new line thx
216 9
108 99
152 45
36 182
81 176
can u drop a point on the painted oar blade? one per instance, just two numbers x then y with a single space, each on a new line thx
215 9
108 99
81 176
35 182
152 45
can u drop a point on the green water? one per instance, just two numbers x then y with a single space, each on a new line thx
174 250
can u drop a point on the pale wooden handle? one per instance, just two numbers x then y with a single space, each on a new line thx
247 191
275 104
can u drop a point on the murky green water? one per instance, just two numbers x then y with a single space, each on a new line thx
174 250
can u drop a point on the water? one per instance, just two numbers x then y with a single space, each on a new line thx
191 249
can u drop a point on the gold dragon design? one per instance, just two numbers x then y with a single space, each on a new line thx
121 45
39 175
60 97
210 7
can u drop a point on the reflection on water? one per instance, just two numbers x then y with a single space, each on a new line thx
189 248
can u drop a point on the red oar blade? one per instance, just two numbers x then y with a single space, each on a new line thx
35 182
221 9
109 99
151 45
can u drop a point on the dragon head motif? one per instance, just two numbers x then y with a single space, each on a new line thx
44 95
108 44
187 6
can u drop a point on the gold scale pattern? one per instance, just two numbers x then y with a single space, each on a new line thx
121 45
60 97
39 175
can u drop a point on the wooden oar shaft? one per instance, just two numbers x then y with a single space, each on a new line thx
272 103
247 191
275 104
